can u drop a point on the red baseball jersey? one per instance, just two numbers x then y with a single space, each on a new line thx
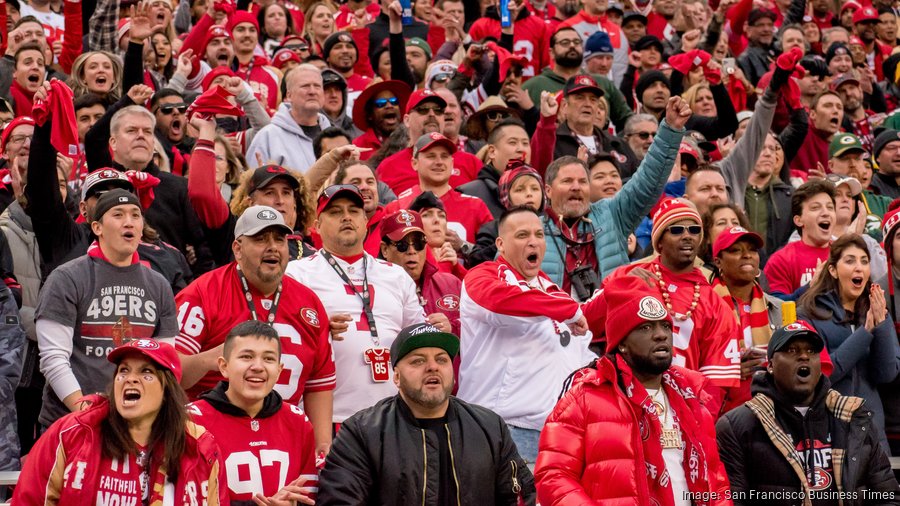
261 455
214 303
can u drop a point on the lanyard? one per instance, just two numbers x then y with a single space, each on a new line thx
363 295
249 297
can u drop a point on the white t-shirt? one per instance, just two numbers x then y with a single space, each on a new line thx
54 24
395 305
589 142
674 457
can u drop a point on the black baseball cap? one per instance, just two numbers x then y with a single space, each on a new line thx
784 335
332 78
265 174
426 200
336 191
422 335
111 199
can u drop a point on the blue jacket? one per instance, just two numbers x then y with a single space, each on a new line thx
862 359
613 219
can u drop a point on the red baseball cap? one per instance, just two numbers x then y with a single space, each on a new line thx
732 235
336 191
213 74
282 56
422 95
162 354
687 149
865 14
852 4
397 225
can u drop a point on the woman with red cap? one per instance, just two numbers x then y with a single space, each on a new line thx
135 445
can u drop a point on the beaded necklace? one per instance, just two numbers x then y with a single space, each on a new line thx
668 300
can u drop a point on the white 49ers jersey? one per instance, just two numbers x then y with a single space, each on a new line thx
364 372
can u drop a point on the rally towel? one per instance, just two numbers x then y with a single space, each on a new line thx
59 106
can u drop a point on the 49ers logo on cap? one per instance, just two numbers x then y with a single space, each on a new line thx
108 174
310 316
448 302
146 344
795 326
267 215
275 169
405 218
651 309
584 81
737 230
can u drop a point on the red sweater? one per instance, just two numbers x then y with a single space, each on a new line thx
465 214
814 149
396 170
793 266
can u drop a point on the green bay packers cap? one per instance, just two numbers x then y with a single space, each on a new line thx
844 143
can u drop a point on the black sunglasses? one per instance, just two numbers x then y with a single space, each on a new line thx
381 103
170 108
333 189
425 109
417 243
645 135
497 115
680 229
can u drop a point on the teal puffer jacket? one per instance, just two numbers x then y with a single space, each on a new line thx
615 218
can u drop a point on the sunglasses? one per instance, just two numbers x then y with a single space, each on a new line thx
496 116
170 108
441 77
417 243
644 135
333 189
381 103
425 109
680 229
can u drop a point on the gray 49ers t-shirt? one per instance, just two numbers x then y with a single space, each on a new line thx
105 305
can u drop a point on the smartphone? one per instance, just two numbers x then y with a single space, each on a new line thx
729 64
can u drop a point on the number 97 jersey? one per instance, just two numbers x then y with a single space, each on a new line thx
214 303
262 454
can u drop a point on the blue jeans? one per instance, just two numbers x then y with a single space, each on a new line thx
526 442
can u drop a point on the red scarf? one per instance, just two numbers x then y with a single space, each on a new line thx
23 98
95 251
684 404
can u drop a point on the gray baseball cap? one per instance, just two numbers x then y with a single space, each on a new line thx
258 218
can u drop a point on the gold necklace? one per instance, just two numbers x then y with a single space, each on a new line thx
668 300
668 438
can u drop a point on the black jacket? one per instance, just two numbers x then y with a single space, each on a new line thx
382 456
486 186
567 144
755 62
380 30
755 464
61 239
779 226
885 185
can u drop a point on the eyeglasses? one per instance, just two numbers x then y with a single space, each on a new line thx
643 135
569 42
425 109
443 77
680 229
18 139
381 103
170 108
417 243
496 116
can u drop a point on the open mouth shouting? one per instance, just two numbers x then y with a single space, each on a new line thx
130 397
176 130
803 373
824 225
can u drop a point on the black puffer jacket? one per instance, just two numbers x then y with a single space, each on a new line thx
756 466
382 456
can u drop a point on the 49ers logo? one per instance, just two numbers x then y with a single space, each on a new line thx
310 316
448 302
146 344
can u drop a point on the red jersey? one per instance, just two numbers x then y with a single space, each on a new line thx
261 454
793 266
707 340
530 39
356 83
264 81
214 303
367 140
465 213
397 172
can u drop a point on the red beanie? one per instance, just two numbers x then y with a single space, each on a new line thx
214 32
4 137
888 225
214 73
671 211
242 17
630 302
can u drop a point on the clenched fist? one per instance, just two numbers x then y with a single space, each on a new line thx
677 112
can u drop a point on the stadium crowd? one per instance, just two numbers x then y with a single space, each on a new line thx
472 252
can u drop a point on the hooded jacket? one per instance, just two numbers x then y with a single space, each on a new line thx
284 142
862 359
383 456
837 433
486 187
26 257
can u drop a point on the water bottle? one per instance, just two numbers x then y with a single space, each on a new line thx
505 20
406 16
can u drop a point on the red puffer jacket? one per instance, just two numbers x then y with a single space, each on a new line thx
591 451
